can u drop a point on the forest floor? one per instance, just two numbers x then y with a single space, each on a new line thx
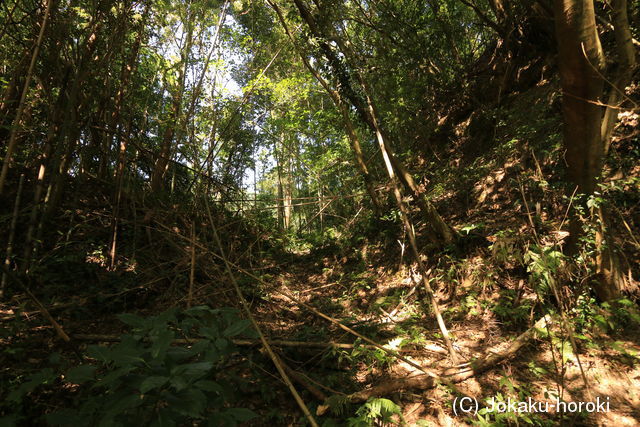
360 298
539 372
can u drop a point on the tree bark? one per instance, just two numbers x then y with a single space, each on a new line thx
582 63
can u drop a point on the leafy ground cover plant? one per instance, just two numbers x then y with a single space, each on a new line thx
146 380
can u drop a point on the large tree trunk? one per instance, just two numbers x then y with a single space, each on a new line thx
581 63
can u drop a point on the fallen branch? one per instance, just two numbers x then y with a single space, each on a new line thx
277 343
455 375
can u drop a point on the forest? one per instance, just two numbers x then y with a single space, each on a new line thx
319 212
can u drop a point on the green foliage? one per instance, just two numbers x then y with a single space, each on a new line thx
544 264
144 379
370 357
467 306
510 310
511 391
377 411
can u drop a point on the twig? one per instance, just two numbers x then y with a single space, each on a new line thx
193 264
526 205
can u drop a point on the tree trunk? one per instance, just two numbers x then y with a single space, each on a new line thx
162 163
626 66
581 63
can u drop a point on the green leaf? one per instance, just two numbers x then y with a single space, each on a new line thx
625 302
210 386
98 352
199 310
81 374
132 320
190 402
36 379
162 343
236 328
241 414
209 332
127 401
177 354
123 354
151 383
114 376
222 345
192 371
165 418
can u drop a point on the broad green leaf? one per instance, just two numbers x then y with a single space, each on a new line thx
114 376
191 402
242 414
211 386
179 382
192 371
81 374
151 383
132 320
209 332
98 352
236 328
162 343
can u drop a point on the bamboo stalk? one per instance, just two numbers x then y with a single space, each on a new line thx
13 137
12 234
192 270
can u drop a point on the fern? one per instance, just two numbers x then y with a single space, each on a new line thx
377 411
338 404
